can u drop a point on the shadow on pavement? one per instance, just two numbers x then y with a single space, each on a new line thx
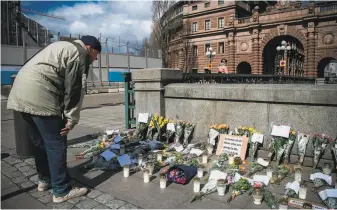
101 105
4 155
15 193
82 139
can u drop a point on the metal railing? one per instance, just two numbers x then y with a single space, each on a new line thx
328 8
130 104
244 79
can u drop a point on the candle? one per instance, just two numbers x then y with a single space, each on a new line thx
200 172
146 176
150 167
162 181
221 187
210 149
302 192
160 156
257 195
270 172
327 168
126 171
230 159
298 174
196 186
140 160
204 158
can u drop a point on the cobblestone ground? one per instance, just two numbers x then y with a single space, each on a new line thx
20 174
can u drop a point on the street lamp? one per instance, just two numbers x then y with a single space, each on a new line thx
210 55
285 48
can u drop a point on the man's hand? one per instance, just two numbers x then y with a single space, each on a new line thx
65 131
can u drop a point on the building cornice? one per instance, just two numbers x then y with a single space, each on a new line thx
209 12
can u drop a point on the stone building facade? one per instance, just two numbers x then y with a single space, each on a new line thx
247 34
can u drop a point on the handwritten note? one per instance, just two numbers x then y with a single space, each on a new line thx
230 144
282 131
212 135
257 137
171 127
143 117
262 162
198 152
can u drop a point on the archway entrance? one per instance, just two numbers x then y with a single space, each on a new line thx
325 66
244 68
283 48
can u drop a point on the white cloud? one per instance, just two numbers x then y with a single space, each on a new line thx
129 20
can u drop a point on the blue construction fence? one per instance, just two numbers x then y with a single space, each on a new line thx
115 75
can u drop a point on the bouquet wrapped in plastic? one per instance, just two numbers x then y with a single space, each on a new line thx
319 142
188 129
289 145
179 132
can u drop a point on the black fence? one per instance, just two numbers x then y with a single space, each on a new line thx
244 79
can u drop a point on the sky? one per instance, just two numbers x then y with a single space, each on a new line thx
124 20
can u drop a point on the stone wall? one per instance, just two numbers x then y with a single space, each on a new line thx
306 108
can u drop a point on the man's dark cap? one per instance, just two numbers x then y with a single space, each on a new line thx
92 41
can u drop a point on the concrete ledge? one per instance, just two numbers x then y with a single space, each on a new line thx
271 93
156 75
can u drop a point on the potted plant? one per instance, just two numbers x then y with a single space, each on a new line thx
221 187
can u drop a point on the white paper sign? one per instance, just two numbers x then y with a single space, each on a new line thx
143 117
171 127
282 130
328 193
261 178
295 185
179 148
257 137
216 175
320 175
198 152
212 135
109 132
262 162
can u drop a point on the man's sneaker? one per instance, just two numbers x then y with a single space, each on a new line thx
73 193
42 186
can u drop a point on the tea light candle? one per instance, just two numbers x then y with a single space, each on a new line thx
146 176
150 168
210 149
162 181
140 160
159 156
302 194
126 171
204 158
196 186
270 172
230 159
327 168
200 172
298 174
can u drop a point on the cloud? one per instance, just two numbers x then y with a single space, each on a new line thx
129 20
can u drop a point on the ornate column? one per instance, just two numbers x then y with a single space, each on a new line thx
231 60
256 53
310 67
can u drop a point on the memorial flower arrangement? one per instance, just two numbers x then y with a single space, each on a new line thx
279 146
282 172
334 149
239 188
151 127
244 131
254 169
141 131
170 132
303 140
319 143
179 131
160 127
222 128
270 199
188 129
208 188
289 145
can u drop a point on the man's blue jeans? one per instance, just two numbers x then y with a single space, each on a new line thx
50 151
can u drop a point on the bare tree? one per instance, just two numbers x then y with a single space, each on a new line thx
186 43
158 10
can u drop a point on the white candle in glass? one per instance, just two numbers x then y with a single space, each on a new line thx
230 159
146 176
140 160
302 194
162 182
159 156
327 169
298 174
150 168
210 149
204 158
126 171
200 172
196 185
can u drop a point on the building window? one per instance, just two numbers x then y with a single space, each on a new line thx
207 4
195 7
221 47
207 46
195 27
221 2
207 24
195 50
221 22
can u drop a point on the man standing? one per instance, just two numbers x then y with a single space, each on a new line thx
48 92
223 67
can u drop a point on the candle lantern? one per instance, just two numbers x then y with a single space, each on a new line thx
126 171
209 149
196 185
162 181
140 160
221 187
303 191
200 171
257 195
204 158
270 172
230 159
159 156
150 168
146 176
327 168
298 174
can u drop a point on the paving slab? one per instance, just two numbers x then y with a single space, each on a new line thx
21 201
